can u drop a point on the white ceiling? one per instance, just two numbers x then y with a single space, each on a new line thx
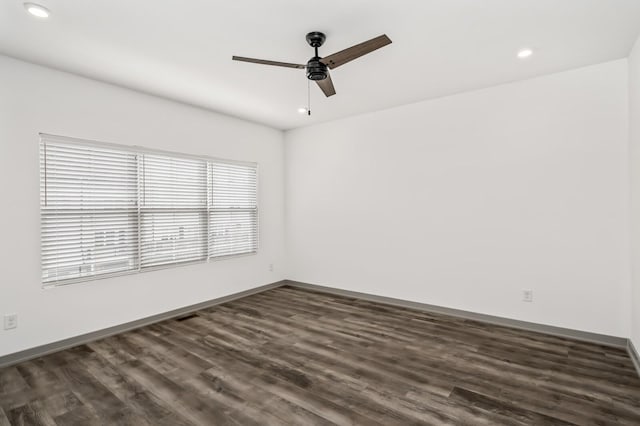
181 49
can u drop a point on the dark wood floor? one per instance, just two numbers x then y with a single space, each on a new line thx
295 357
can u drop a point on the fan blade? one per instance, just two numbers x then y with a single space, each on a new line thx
354 52
264 62
327 86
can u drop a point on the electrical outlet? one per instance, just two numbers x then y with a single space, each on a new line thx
271 267
10 321
527 295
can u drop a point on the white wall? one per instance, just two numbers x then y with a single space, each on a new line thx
467 200
634 150
34 99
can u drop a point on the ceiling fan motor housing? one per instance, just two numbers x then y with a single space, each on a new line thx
316 70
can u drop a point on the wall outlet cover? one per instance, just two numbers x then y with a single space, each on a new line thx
10 321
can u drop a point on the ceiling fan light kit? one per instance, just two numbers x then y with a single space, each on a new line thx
317 68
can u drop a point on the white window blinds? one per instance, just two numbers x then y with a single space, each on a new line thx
233 217
109 210
89 220
174 210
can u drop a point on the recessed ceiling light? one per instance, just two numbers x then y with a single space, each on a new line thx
302 110
524 53
37 10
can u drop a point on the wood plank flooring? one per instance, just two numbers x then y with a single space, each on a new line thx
296 357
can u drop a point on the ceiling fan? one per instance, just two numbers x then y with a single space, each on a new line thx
317 66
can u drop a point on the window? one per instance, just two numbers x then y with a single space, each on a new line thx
173 213
108 210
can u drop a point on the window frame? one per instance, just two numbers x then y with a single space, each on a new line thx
140 150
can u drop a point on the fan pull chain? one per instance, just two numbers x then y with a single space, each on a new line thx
308 97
